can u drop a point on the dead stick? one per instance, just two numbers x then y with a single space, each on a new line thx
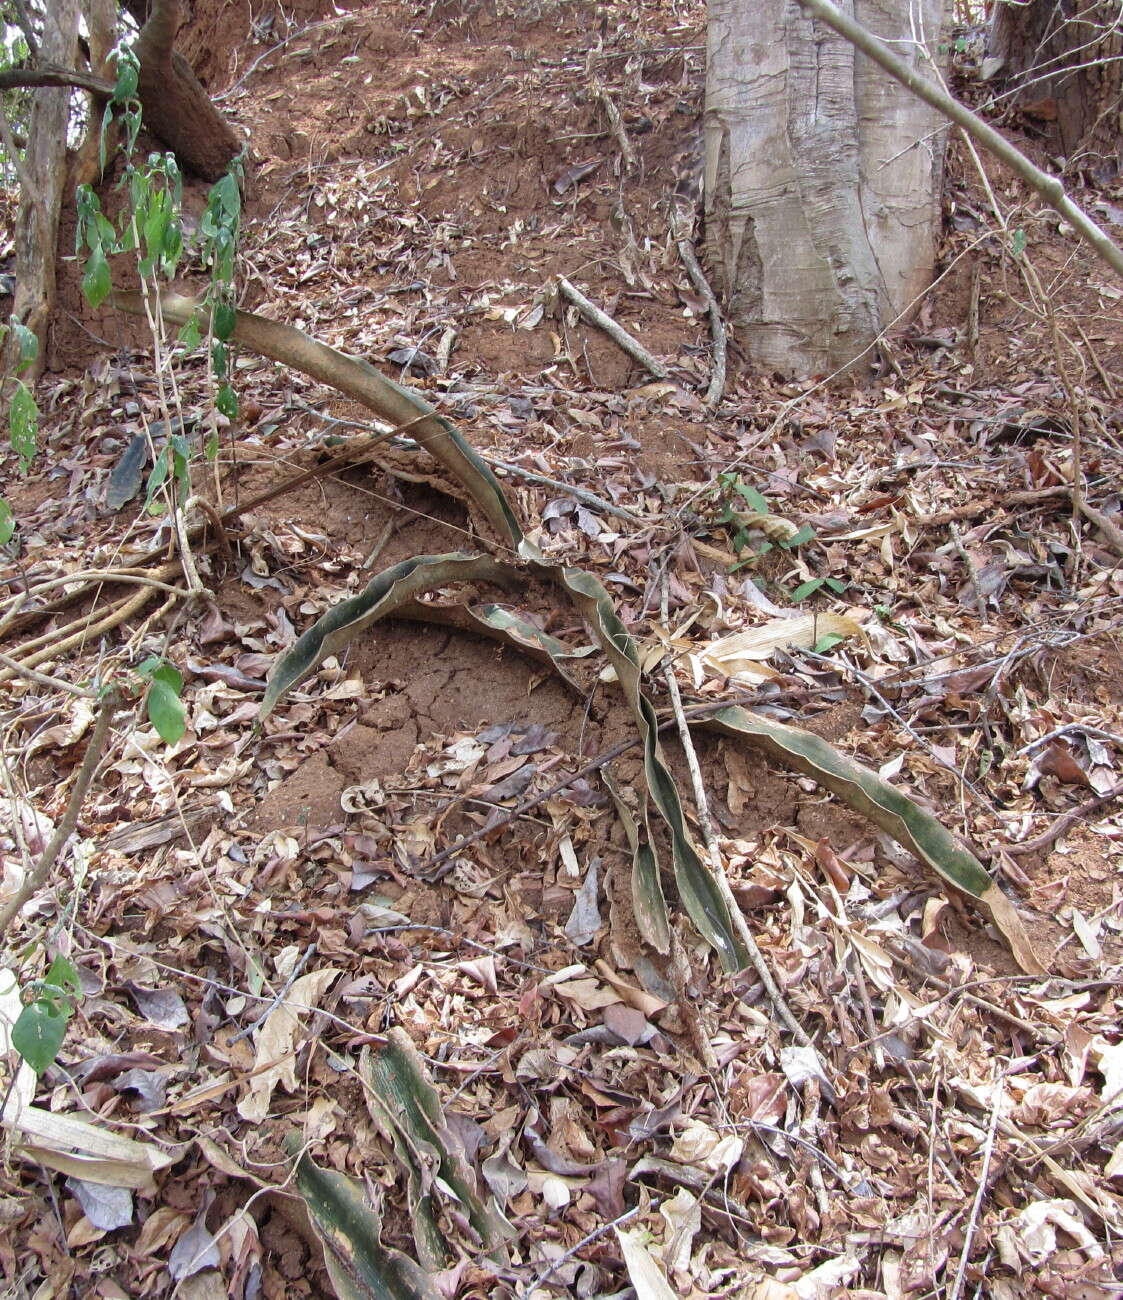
594 765
616 123
66 827
118 614
717 325
717 869
1047 838
617 333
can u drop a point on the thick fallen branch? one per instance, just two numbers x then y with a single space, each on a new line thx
49 75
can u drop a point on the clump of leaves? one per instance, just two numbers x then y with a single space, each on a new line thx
151 228
744 510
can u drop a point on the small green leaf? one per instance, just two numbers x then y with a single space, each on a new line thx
226 401
1018 242
826 643
23 415
128 75
170 675
220 359
165 708
752 497
7 522
28 344
225 199
210 447
189 335
38 1032
224 319
96 282
158 475
62 974
149 666
805 534
835 584
156 223
806 589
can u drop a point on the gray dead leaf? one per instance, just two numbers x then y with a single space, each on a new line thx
569 177
628 1024
205 1286
585 919
802 1063
124 478
163 1007
149 1086
505 1179
106 1208
414 361
194 1251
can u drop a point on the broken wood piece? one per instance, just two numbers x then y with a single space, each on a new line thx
615 332
616 125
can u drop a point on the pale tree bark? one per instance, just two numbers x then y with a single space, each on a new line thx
100 18
43 175
1063 60
822 180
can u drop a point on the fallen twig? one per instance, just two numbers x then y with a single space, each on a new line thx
616 123
90 760
114 617
617 333
1058 828
717 324
42 679
717 869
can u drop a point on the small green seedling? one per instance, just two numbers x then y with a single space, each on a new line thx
163 700
40 1027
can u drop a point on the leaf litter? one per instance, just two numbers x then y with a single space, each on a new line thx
265 924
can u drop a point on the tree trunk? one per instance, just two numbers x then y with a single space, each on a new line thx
43 177
175 106
100 17
822 180
1064 61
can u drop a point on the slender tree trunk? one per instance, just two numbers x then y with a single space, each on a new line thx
822 180
1064 61
43 179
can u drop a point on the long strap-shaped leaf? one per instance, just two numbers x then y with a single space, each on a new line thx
859 787
359 379
697 887
388 591
360 1266
887 807
404 1103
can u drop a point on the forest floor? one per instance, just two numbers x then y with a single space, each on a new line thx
258 915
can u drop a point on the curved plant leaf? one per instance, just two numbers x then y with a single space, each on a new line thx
405 1105
383 595
359 379
649 906
359 1265
887 807
697 887
499 624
